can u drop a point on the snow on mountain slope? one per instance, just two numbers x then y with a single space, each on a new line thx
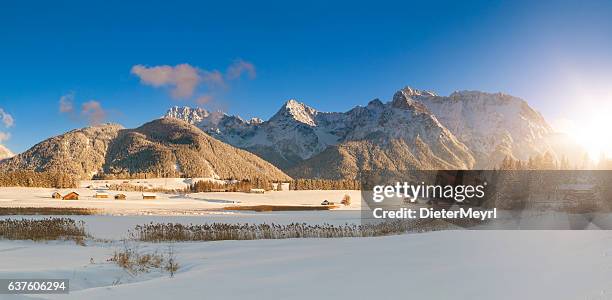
399 135
493 126
79 152
5 152
298 132
164 147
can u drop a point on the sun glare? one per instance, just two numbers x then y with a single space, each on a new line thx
588 117
593 133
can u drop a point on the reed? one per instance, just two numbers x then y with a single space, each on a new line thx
43 230
49 211
163 232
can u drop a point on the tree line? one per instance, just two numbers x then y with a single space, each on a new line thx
266 184
52 179
325 184
38 179
547 161
230 186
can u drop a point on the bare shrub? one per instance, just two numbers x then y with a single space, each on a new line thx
346 200
43 230
135 261
171 266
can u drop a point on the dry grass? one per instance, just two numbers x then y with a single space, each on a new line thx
43 230
49 211
175 232
135 261
346 200
261 208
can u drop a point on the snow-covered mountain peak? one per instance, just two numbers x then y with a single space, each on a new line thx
492 125
404 99
216 122
298 111
188 114
410 92
471 125
486 98
375 103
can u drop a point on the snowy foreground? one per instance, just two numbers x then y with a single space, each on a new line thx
459 264
434 265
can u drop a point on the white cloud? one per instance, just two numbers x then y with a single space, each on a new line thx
4 136
239 67
6 119
213 78
93 112
183 78
201 100
66 103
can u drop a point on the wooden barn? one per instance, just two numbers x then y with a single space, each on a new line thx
101 195
120 197
56 195
71 196
149 196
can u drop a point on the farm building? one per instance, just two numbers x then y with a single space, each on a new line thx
257 191
56 195
120 197
280 186
71 196
101 195
325 202
149 196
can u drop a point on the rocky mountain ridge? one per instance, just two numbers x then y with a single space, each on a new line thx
467 129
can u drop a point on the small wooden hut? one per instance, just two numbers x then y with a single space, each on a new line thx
71 196
56 195
149 196
101 195
120 197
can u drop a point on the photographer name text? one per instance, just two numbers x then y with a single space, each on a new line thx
429 213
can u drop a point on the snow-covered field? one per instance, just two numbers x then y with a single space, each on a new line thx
454 264
169 204
434 265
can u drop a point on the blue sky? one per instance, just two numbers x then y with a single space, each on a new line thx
332 56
